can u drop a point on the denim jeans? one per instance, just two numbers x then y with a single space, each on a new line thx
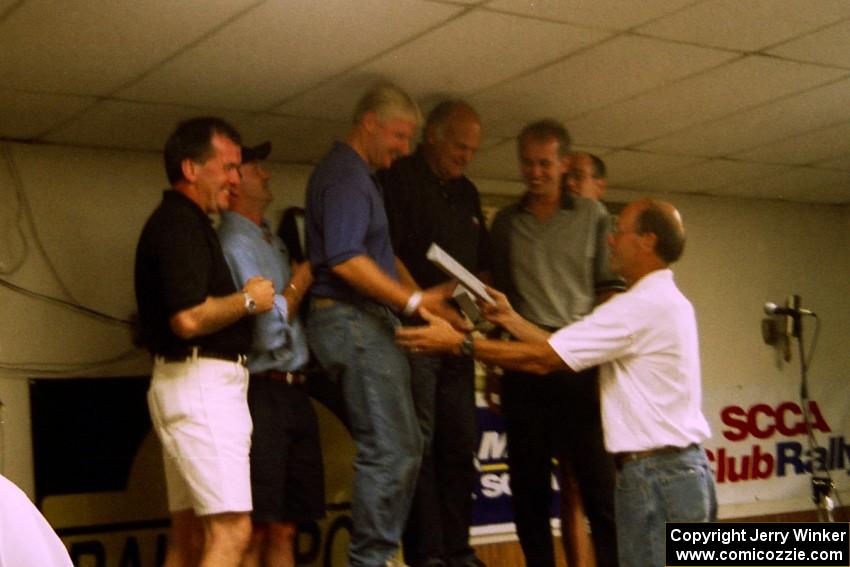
444 396
669 487
355 344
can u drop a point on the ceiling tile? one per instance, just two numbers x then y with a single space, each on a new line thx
758 126
145 126
805 148
710 95
708 176
27 115
500 46
626 167
842 163
283 48
747 25
608 72
828 46
84 47
798 184
124 125
428 67
605 14
838 194
294 139
334 100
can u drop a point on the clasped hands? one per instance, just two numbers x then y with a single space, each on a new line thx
443 336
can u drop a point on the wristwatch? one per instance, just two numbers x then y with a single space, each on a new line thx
467 347
250 304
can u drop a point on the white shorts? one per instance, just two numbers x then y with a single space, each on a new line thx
199 410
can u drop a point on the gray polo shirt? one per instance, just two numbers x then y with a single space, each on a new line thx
552 270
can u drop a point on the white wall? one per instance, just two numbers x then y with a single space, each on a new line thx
89 207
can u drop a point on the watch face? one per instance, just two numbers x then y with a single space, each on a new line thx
467 346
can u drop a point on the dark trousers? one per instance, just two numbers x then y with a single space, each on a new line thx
557 415
444 397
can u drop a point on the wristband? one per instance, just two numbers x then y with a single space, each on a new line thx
412 303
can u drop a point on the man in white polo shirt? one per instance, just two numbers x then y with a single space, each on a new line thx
645 341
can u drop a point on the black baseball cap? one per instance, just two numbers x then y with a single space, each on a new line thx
257 153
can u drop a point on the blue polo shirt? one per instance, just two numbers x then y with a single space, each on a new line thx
344 218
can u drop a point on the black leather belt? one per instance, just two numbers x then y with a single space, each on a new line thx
180 355
291 378
621 459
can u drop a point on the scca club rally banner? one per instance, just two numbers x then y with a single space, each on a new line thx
759 447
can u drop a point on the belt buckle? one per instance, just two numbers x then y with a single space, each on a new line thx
323 302
295 378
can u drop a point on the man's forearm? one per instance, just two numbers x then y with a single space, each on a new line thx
525 331
537 357
213 314
404 275
364 275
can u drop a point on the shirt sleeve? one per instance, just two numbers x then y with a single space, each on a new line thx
25 536
604 335
346 210
271 329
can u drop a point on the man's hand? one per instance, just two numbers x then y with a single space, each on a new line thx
499 313
437 337
434 301
261 291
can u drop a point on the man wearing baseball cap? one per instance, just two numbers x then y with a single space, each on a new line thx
286 463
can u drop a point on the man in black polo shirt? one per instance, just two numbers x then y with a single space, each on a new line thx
193 320
428 199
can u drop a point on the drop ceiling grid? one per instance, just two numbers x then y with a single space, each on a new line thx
654 93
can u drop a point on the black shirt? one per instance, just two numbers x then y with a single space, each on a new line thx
179 263
423 208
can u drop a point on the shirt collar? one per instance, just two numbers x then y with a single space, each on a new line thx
180 199
243 223
567 200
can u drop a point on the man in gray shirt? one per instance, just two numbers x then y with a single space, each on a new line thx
550 257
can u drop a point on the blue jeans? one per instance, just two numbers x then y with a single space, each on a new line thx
669 487
356 345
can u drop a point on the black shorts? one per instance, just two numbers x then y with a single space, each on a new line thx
287 479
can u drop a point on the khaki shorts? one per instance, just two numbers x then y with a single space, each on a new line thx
200 412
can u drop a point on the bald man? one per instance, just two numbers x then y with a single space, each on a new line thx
645 341
429 199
